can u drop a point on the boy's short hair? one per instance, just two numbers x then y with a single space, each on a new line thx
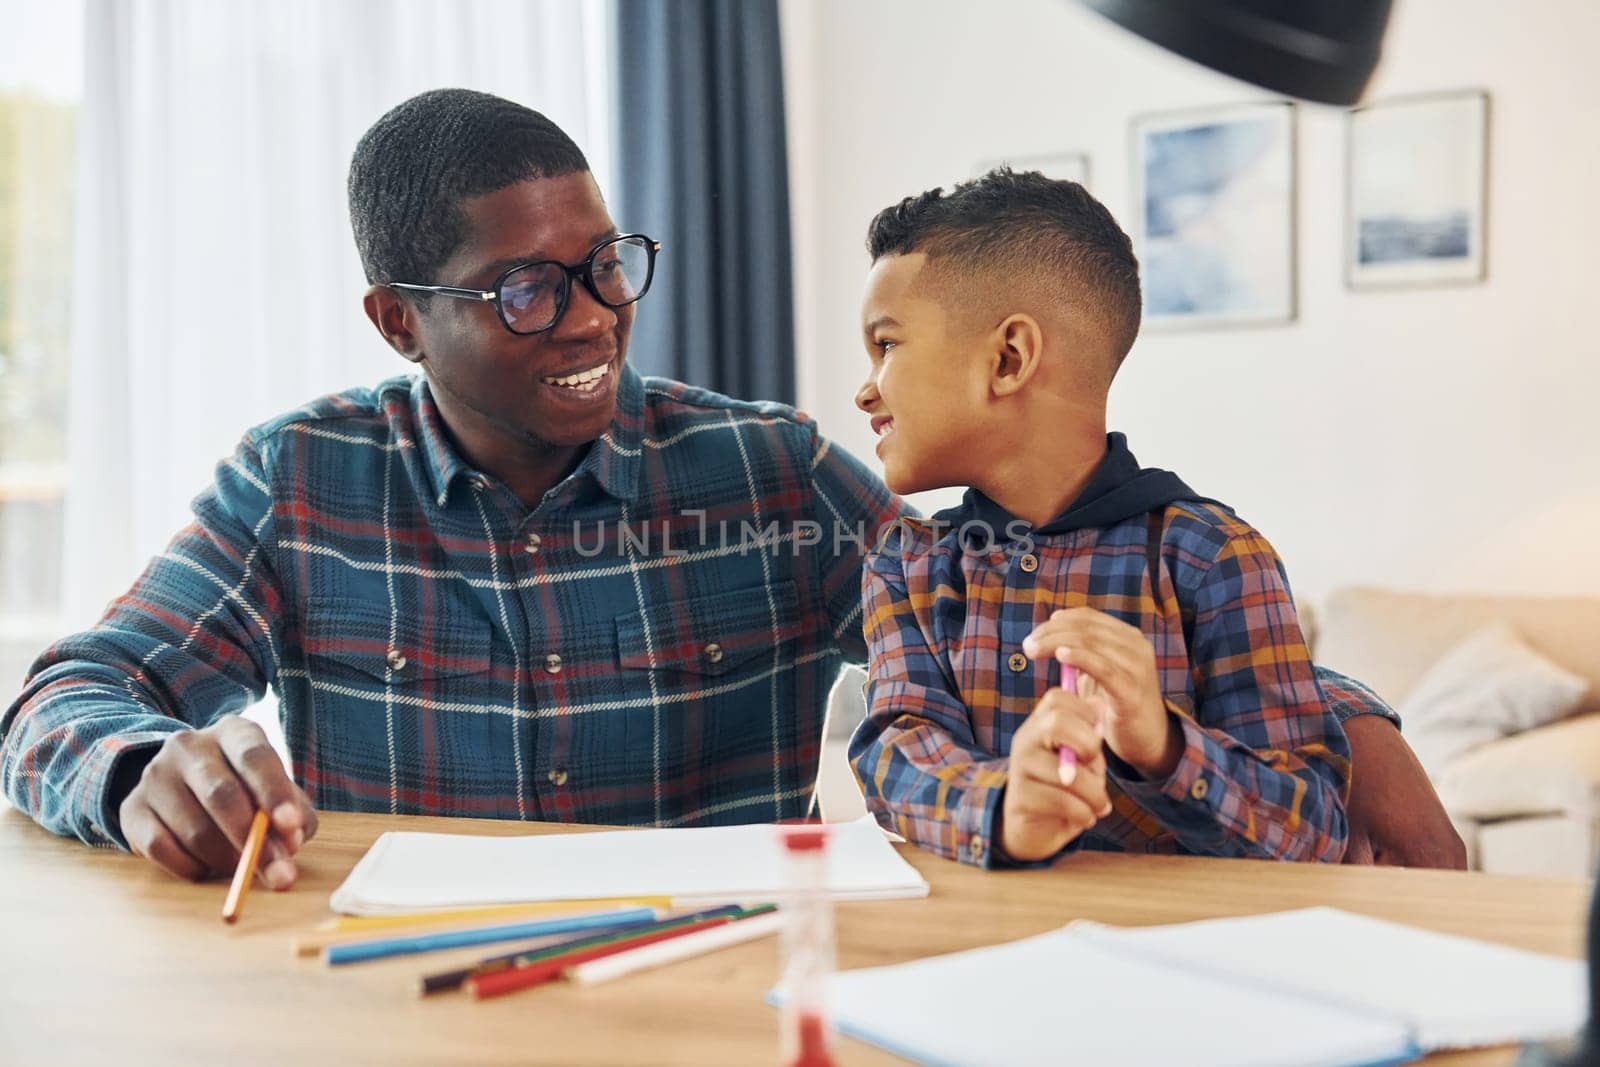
1029 226
417 163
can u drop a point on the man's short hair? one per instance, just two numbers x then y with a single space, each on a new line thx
1024 226
415 166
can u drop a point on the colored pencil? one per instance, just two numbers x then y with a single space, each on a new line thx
1066 758
406 945
492 913
312 944
526 976
701 942
452 980
245 872
444 981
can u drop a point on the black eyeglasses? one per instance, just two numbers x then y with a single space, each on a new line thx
530 297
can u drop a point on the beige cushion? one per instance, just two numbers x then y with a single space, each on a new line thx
1554 846
1389 640
1489 686
1554 769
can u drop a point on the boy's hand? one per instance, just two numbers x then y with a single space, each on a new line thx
1045 806
1122 663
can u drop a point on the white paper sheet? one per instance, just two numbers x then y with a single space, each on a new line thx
1453 992
1062 998
1317 986
406 872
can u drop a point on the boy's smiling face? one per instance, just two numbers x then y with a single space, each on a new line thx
928 385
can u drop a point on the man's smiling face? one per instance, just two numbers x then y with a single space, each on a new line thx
522 387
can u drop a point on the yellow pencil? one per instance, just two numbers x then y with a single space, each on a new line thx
313 943
495 912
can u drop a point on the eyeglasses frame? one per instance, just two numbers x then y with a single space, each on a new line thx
583 273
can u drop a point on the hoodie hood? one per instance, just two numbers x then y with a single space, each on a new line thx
1120 489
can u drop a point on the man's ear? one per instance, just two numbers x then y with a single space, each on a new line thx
396 319
1018 348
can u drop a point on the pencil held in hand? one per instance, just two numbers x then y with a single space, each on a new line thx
247 867
1067 760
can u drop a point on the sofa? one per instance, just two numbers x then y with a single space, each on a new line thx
1523 804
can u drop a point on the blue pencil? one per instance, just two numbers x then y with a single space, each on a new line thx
403 946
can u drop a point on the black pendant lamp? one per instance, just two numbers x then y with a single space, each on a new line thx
1321 50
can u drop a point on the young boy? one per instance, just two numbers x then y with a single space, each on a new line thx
996 318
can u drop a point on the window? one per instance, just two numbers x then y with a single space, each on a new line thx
40 83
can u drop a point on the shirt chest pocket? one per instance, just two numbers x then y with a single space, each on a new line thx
710 637
360 644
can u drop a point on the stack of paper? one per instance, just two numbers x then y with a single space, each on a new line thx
1312 988
409 872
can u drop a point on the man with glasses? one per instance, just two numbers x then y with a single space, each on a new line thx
525 583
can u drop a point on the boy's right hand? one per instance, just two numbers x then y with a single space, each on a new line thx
1039 814
193 805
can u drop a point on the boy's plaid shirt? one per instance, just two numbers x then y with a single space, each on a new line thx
654 643
1265 765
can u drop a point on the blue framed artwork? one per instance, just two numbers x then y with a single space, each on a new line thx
1416 172
1214 227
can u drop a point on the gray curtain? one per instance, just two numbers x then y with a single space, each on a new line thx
702 167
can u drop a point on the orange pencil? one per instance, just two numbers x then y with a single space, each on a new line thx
247 867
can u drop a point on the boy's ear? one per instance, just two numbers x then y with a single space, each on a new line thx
396 319
1018 347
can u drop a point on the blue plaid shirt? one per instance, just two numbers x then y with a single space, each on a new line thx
652 644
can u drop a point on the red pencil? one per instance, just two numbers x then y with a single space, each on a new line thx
514 978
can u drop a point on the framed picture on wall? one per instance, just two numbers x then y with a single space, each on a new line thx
1064 166
1415 190
1213 221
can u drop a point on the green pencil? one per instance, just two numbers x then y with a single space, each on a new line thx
444 981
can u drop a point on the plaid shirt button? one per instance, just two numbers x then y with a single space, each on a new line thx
1199 789
558 776
397 660
713 652
552 663
533 544
1029 562
1018 662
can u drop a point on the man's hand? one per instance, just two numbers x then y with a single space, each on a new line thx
1122 663
1046 806
1395 816
194 803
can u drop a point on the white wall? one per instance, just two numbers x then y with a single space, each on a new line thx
1433 439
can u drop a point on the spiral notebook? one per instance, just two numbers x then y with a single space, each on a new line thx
1312 988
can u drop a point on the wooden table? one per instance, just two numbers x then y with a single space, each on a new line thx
106 959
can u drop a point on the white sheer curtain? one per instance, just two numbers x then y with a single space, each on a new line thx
217 282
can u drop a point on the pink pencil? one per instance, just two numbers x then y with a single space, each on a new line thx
1067 760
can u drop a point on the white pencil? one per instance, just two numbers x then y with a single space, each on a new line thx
675 949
